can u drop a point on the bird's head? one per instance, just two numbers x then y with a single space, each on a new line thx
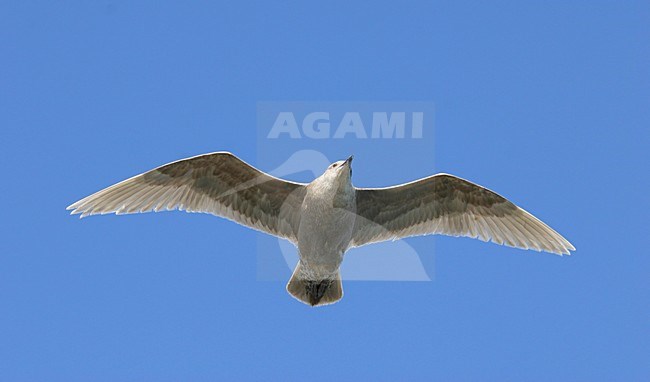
340 169
336 179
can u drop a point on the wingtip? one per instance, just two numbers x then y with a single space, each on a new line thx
568 249
74 210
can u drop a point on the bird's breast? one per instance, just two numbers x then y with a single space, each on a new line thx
326 225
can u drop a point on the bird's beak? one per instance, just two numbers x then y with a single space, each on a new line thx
349 160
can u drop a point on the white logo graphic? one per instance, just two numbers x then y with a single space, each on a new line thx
387 261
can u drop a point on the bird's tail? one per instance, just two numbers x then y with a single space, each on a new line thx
315 292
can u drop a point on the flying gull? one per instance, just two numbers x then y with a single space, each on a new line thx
328 216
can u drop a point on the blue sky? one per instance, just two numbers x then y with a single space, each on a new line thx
546 103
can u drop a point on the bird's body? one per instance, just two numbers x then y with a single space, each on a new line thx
327 216
326 224
327 219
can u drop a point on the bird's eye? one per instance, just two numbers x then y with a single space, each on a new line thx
334 165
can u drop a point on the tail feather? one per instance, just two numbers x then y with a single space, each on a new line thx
315 292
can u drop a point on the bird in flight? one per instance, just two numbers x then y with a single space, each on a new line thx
328 216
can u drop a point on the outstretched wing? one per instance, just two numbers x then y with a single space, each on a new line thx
445 204
219 183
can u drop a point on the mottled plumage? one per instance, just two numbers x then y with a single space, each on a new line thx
327 216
